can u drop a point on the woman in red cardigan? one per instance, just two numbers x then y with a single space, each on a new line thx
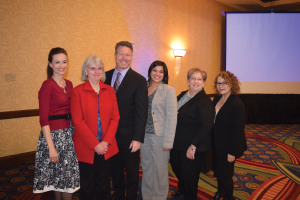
95 116
56 165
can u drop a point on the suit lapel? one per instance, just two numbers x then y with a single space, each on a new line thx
195 98
124 81
109 76
224 107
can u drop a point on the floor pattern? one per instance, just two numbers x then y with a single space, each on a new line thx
256 176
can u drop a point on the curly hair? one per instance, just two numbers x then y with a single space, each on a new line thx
231 80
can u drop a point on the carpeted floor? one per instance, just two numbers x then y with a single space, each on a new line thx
269 169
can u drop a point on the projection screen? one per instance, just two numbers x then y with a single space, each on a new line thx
263 51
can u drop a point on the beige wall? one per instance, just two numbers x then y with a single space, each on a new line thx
30 28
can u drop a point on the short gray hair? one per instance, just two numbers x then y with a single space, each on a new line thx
92 59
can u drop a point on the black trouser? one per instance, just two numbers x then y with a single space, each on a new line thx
95 179
187 171
125 160
224 172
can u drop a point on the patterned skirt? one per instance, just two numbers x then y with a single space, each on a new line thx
62 176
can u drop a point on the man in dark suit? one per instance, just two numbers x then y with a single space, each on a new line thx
132 97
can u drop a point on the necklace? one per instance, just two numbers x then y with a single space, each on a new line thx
62 84
96 88
189 94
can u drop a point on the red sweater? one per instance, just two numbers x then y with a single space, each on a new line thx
54 101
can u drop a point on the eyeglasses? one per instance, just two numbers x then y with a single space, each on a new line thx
222 83
93 69
194 79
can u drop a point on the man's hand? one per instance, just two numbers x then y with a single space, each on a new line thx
135 146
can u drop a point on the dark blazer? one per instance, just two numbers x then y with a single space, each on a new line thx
132 98
195 122
228 132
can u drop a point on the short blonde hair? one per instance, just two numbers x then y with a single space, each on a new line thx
196 70
90 60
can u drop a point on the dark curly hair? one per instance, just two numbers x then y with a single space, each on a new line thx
231 80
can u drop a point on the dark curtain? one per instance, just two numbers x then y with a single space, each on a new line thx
272 108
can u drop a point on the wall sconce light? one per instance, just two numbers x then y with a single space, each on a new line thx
178 53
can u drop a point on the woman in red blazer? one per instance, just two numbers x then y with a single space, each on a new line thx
95 116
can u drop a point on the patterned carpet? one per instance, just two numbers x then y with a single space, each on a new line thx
256 177
268 170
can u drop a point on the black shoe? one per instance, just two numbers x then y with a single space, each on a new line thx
178 193
117 197
228 198
218 196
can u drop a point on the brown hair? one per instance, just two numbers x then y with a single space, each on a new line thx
231 80
123 44
54 51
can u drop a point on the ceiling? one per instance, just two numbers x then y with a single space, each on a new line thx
262 5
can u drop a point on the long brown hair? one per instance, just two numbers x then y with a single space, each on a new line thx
54 51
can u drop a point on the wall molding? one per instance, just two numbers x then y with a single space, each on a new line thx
19 114
15 160
32 112
19 159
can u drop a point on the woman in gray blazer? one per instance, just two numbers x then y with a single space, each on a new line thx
159 133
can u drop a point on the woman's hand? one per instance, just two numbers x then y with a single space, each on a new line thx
190 153
230 158
101 148
53 155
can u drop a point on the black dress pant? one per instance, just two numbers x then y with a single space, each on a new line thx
187 171
127 162
223 171
95 179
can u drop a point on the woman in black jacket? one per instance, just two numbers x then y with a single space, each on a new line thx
229 142
193 134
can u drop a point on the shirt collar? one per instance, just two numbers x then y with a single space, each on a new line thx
123 72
